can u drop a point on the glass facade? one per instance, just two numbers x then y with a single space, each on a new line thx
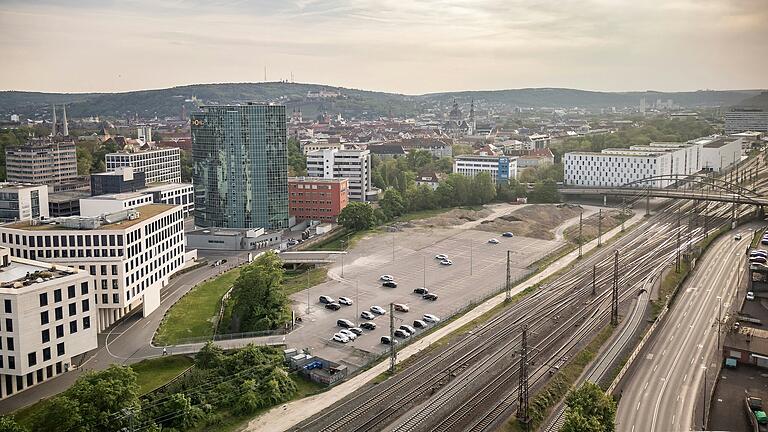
240 166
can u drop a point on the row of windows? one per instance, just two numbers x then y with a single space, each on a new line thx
63 240
57 294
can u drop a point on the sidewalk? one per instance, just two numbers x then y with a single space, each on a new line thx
283 417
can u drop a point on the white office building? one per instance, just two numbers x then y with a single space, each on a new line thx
354 165
501 168
180 194
144 133
719 153
48 318
686 157
131 254
20 201
744 120
159 165
616 167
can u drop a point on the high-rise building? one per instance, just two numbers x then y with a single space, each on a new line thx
144 133
240 166
158 165
42 161
743 120
354 165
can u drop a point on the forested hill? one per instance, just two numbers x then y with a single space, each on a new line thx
351 102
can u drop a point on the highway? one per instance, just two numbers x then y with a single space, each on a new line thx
664 386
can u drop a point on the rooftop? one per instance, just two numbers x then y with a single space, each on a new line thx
156 187
718 143
145 212
18 186
316 180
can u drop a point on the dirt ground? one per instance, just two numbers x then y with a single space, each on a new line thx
535 220
611 219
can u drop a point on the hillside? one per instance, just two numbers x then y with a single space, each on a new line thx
757 101
353 102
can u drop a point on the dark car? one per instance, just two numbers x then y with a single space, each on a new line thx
368 325
420 291
419 324
333 306
390 284
430 296
386 340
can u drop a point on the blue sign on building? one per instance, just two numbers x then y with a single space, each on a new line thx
503 175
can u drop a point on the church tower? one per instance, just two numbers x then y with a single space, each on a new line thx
64 125
53 124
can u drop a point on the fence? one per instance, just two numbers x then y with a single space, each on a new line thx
231 336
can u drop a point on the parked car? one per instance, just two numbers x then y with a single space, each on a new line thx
420 291
408 328
400 307
737 237
368 325
327 299
493 241
367 315
750 295
356 330
402 334
430 296
419 324
313 365
446 262
390 284
386 278
293 242
333 306
338 337
508 234
386 340
758 259
348 333
345 301
441 257
431 318
345 323
378 310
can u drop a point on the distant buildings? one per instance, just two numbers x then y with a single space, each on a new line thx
23 202
532 158
354 165
240 166
144 133
42 161
158 165
122 179
744 119
319 199
49 318
131 254
500 168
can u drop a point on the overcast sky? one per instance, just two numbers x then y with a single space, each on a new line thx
400 46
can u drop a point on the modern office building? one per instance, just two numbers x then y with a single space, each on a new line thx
320 199
240 166
42 161
354 165
144 133
616 167
122 179
501 168
743 120
131 254
158 165
67 203
48 318
20 201
182 194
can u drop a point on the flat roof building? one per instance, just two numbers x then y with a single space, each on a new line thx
41 161
23 201
319 199
501 168
158 165
122 179
743 120
354 165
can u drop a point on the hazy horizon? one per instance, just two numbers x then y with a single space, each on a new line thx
402 47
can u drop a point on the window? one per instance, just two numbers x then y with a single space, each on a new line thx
8 325
115 298
85 306
46 335
71 291
9 344
72 309
46 355
114 270
60 349
86 323
8 306
43 299
60 331
72 327
11 362
57 296
32 358
84 288
59 313
44 318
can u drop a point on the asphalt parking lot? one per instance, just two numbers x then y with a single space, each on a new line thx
414 263
728 411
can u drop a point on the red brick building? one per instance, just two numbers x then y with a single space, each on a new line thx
317 198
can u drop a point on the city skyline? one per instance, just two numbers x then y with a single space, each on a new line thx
400 47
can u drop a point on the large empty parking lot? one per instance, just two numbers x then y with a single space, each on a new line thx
414 262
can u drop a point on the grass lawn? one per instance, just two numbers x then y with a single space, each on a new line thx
295 281
338 242
193 315
157 372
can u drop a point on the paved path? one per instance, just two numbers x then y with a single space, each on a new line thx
285 416
560 230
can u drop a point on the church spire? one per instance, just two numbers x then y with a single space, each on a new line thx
64 125
53 125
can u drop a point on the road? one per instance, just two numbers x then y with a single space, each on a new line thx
664 387
125 343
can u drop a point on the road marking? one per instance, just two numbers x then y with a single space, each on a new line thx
685 378
638 407
654 368
673 420
663 352
646 385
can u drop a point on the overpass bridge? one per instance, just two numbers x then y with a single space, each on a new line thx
309 257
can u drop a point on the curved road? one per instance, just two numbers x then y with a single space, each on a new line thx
664 386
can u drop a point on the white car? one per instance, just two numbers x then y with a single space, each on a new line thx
348 333
378 310
441 257
367 315
339 337
431 318
401 307
357 330
345 301
750 295
387 278
446 262
493 241
408 328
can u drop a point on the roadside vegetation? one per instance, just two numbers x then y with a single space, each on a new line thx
153 373
589 409
219 392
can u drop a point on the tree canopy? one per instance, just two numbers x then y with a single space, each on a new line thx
259 300
589 409
357 216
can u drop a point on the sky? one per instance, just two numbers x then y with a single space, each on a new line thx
400 46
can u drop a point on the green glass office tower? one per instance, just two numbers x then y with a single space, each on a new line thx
240 166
